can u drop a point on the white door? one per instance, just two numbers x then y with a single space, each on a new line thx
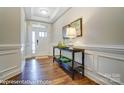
40 41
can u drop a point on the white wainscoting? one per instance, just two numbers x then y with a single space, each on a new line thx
10 60
105 65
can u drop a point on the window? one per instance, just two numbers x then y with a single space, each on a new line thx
40 34
41 29
33 42
43 34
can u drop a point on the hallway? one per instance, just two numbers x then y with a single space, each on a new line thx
27 32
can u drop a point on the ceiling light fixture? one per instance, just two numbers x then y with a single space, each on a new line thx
43 11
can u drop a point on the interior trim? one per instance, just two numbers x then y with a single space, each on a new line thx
96 75
9 46
117 49
62 15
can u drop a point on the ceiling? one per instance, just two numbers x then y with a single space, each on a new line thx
44 14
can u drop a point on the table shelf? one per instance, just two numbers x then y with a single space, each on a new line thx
72 65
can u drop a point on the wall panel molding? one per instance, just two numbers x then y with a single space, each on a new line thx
106 62
98 64
10 60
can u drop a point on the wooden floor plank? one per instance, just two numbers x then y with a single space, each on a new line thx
45 69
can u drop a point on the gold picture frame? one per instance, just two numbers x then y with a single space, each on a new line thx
77 24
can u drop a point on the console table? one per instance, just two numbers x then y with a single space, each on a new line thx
71 66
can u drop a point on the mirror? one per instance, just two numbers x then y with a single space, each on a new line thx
77 24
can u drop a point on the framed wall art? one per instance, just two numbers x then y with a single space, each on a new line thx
77 24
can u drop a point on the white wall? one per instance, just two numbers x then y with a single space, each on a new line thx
23 37
103 41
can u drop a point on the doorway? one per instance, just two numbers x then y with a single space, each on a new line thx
39 40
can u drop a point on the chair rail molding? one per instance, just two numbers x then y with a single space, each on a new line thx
9 46
118 49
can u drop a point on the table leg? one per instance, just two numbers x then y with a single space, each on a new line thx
53 54
83 63
73 58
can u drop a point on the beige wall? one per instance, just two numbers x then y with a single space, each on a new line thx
10 25
12 35
100 25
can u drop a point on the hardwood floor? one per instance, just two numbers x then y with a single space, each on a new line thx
49 73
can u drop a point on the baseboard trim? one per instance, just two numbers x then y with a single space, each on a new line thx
100 79
29 57
8 73
93 77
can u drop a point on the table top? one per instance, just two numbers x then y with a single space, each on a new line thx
70 49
